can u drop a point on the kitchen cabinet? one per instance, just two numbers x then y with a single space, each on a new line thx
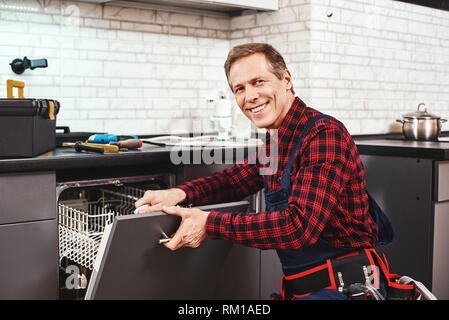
403 189
28 236
200 7
409 180
28 264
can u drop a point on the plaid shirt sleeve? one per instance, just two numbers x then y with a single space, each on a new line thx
323 169
231 184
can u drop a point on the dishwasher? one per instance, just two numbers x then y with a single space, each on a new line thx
106 251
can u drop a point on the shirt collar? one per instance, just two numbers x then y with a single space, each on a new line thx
289 123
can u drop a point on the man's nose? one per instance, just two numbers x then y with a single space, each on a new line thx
251 94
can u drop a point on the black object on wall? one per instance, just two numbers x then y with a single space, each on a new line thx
437 4
20 65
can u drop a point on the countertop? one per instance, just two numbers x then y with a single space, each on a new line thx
62 158
392 146
67 158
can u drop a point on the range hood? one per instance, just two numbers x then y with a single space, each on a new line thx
202 7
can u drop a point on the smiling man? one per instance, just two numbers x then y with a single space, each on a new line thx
317 207
265 97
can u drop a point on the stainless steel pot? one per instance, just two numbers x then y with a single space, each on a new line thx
421 125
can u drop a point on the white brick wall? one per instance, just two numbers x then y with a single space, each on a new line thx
391 52
134 71
120 70
367 64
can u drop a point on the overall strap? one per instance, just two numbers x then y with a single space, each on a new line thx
288 168
310 124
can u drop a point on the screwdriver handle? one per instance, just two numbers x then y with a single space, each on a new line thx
128 143
106 147
79 146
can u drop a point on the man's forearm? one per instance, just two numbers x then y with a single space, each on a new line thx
232 184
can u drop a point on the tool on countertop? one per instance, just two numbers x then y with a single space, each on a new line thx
106 147
108 138
94 147
80 146
127 144
103 138
113 146
122 142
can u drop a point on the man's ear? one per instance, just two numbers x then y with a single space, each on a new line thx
288 79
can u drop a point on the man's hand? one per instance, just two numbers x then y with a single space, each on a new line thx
191 231
156 199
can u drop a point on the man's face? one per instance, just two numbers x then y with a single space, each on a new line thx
261 96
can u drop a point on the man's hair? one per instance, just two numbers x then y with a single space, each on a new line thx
275 60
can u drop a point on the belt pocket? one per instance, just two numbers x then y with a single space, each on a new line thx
337 273
356 268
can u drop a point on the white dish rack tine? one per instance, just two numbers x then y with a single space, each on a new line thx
80 231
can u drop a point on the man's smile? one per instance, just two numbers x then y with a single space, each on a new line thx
258 108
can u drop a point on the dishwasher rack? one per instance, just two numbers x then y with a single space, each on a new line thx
85 208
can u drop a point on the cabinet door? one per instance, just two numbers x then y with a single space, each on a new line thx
29 260
27 197
440 276
403 189
131 264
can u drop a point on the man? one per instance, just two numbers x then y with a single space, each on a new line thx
317 204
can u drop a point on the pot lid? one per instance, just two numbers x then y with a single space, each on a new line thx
421 113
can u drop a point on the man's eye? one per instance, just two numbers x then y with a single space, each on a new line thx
259 81
238 89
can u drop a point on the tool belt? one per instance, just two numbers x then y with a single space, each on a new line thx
363 266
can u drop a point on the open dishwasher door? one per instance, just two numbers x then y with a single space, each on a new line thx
131 264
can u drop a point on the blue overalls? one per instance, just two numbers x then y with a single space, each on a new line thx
293 260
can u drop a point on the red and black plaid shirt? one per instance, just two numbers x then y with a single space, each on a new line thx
328 197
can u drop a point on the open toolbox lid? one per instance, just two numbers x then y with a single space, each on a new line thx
131 264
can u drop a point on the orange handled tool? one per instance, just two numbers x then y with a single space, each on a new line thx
127 144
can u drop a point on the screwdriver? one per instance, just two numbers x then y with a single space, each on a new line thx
94 147
79 146
106 147
127 144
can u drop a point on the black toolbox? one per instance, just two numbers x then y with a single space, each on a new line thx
27 126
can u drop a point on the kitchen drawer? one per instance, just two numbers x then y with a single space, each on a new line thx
29 260
442 184
27 197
